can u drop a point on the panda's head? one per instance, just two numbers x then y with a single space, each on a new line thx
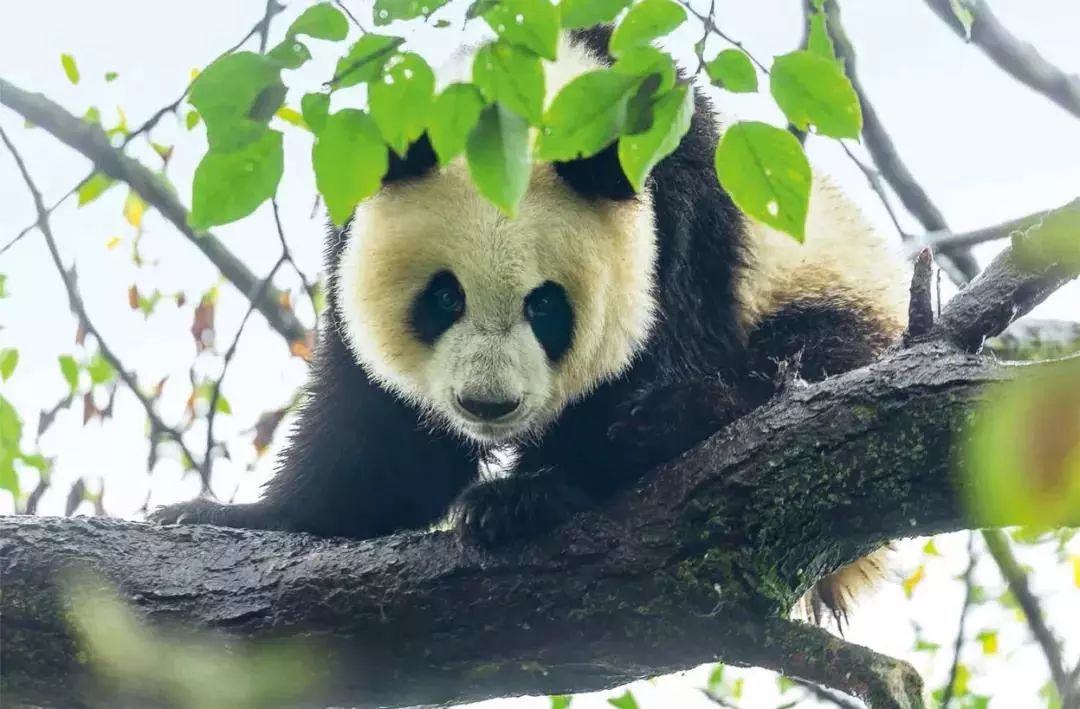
489 324
493 325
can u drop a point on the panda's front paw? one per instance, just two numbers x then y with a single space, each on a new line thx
197 511
513 509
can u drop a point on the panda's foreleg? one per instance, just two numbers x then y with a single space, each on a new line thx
359 463
599 446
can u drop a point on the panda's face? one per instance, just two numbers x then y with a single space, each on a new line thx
493 325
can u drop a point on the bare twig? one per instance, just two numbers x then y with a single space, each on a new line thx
1014 56
710 26
958 262
948 239
1001 551
920 305
969 589
91 141
79 309
824 695
352 17
211 413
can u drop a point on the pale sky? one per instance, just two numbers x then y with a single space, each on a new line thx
984 147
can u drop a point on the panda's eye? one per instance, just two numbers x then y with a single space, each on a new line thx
448 299
437 307
538 307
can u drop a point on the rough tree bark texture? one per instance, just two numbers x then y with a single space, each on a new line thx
700 562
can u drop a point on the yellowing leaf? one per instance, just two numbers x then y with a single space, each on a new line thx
134 208
291 116
930 549
1076 569
914 580
989 641
113 242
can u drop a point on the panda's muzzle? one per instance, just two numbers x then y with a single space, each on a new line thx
486 411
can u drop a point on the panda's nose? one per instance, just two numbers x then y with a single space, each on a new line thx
488 410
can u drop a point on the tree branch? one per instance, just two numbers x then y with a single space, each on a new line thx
958 261
92 142
79 308
949 239
1016 57
998 545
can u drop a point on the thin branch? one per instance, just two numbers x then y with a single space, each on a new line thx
150 122
352 17
211 413
79 308
959 263
969 595
1016 57
949 239
92 142
824 695
1001 551
710 26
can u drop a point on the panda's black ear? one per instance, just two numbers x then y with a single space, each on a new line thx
419 160
599 176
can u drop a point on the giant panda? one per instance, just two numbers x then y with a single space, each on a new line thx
597 334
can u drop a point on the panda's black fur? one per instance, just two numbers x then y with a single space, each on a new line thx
361 463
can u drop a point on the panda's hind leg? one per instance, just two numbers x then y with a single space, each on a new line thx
823 337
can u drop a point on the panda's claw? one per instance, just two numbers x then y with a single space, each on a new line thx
507 510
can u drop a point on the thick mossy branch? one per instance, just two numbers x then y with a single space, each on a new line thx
693 565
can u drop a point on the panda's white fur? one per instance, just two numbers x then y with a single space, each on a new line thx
603 255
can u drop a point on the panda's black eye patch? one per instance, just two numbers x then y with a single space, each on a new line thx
548 311
437 307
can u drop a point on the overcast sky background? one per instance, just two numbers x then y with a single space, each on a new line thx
985 148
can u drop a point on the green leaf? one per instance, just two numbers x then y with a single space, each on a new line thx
818 40
111 76
505 73
930 548
1054 239
290 54
71 69
38 462
813 91
453 115
94 187
350 160
99 369
387 11
561 701
9 359
400 101
716 679
639 153
231 185
645 22
236 95
497 151
92 115
191 119
365 60
70 370
315 108
222 405
532 24
641 62
322 21
766 172
626 701
733 70
586 115
586 13
3 286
